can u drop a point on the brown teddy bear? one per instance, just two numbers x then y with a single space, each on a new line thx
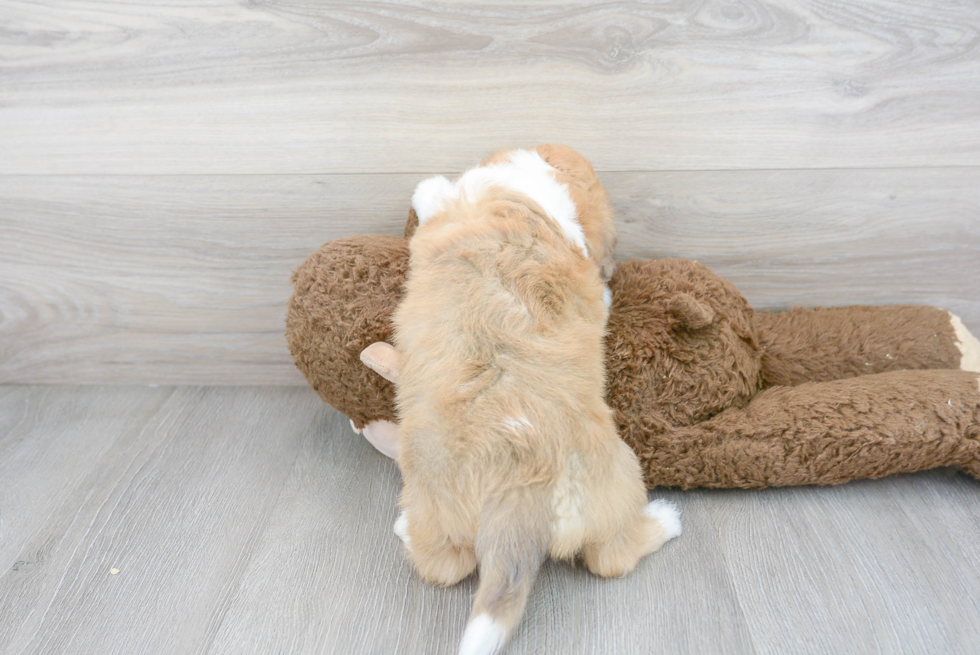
707 392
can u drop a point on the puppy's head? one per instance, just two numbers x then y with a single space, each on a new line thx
554 177
595 215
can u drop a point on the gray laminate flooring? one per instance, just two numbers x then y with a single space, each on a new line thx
252 520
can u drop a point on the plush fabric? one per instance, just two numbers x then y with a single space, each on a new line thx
344 296
705 390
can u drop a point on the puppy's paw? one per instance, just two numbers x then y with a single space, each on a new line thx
401 529
667 515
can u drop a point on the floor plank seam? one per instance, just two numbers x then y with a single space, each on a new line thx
214 626
728 575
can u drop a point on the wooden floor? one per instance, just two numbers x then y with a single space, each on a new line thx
253 520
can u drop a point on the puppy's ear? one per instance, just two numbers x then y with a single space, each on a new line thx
691 313
430 197
383 359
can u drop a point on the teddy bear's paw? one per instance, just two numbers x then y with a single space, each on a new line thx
401 529
383 435
968 345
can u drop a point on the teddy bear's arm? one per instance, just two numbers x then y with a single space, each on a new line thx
833 343
827 433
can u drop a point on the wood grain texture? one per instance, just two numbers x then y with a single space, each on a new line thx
329 87
184 279
163 279
175 505
254 520
787 238
49 443
870 562
330 576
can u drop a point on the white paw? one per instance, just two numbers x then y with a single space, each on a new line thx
430 196
607 296
401 529
483 636
667 514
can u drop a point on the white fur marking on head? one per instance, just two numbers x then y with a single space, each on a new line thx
667 514
401 528
430 197
483 636
528 174
517 424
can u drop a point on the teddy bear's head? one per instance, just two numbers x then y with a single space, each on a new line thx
343 297
681 347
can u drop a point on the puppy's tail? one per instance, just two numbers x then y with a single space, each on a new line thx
511 544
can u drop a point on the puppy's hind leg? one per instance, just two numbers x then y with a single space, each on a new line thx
436 558
629 528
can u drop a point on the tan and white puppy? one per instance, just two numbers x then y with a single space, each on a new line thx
508 450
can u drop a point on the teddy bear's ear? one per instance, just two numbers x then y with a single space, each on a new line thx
691 314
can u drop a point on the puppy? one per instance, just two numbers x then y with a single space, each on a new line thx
509 452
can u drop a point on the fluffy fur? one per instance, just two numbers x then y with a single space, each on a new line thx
509 451
521 171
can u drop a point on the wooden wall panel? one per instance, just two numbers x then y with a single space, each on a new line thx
184 279
338 87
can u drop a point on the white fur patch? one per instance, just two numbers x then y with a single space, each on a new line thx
517 424
401 528
430 196
667 514
483 636
607 296
526 173
967 344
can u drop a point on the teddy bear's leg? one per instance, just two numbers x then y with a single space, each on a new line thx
834 343
968 345
436 558
972 466
827 433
